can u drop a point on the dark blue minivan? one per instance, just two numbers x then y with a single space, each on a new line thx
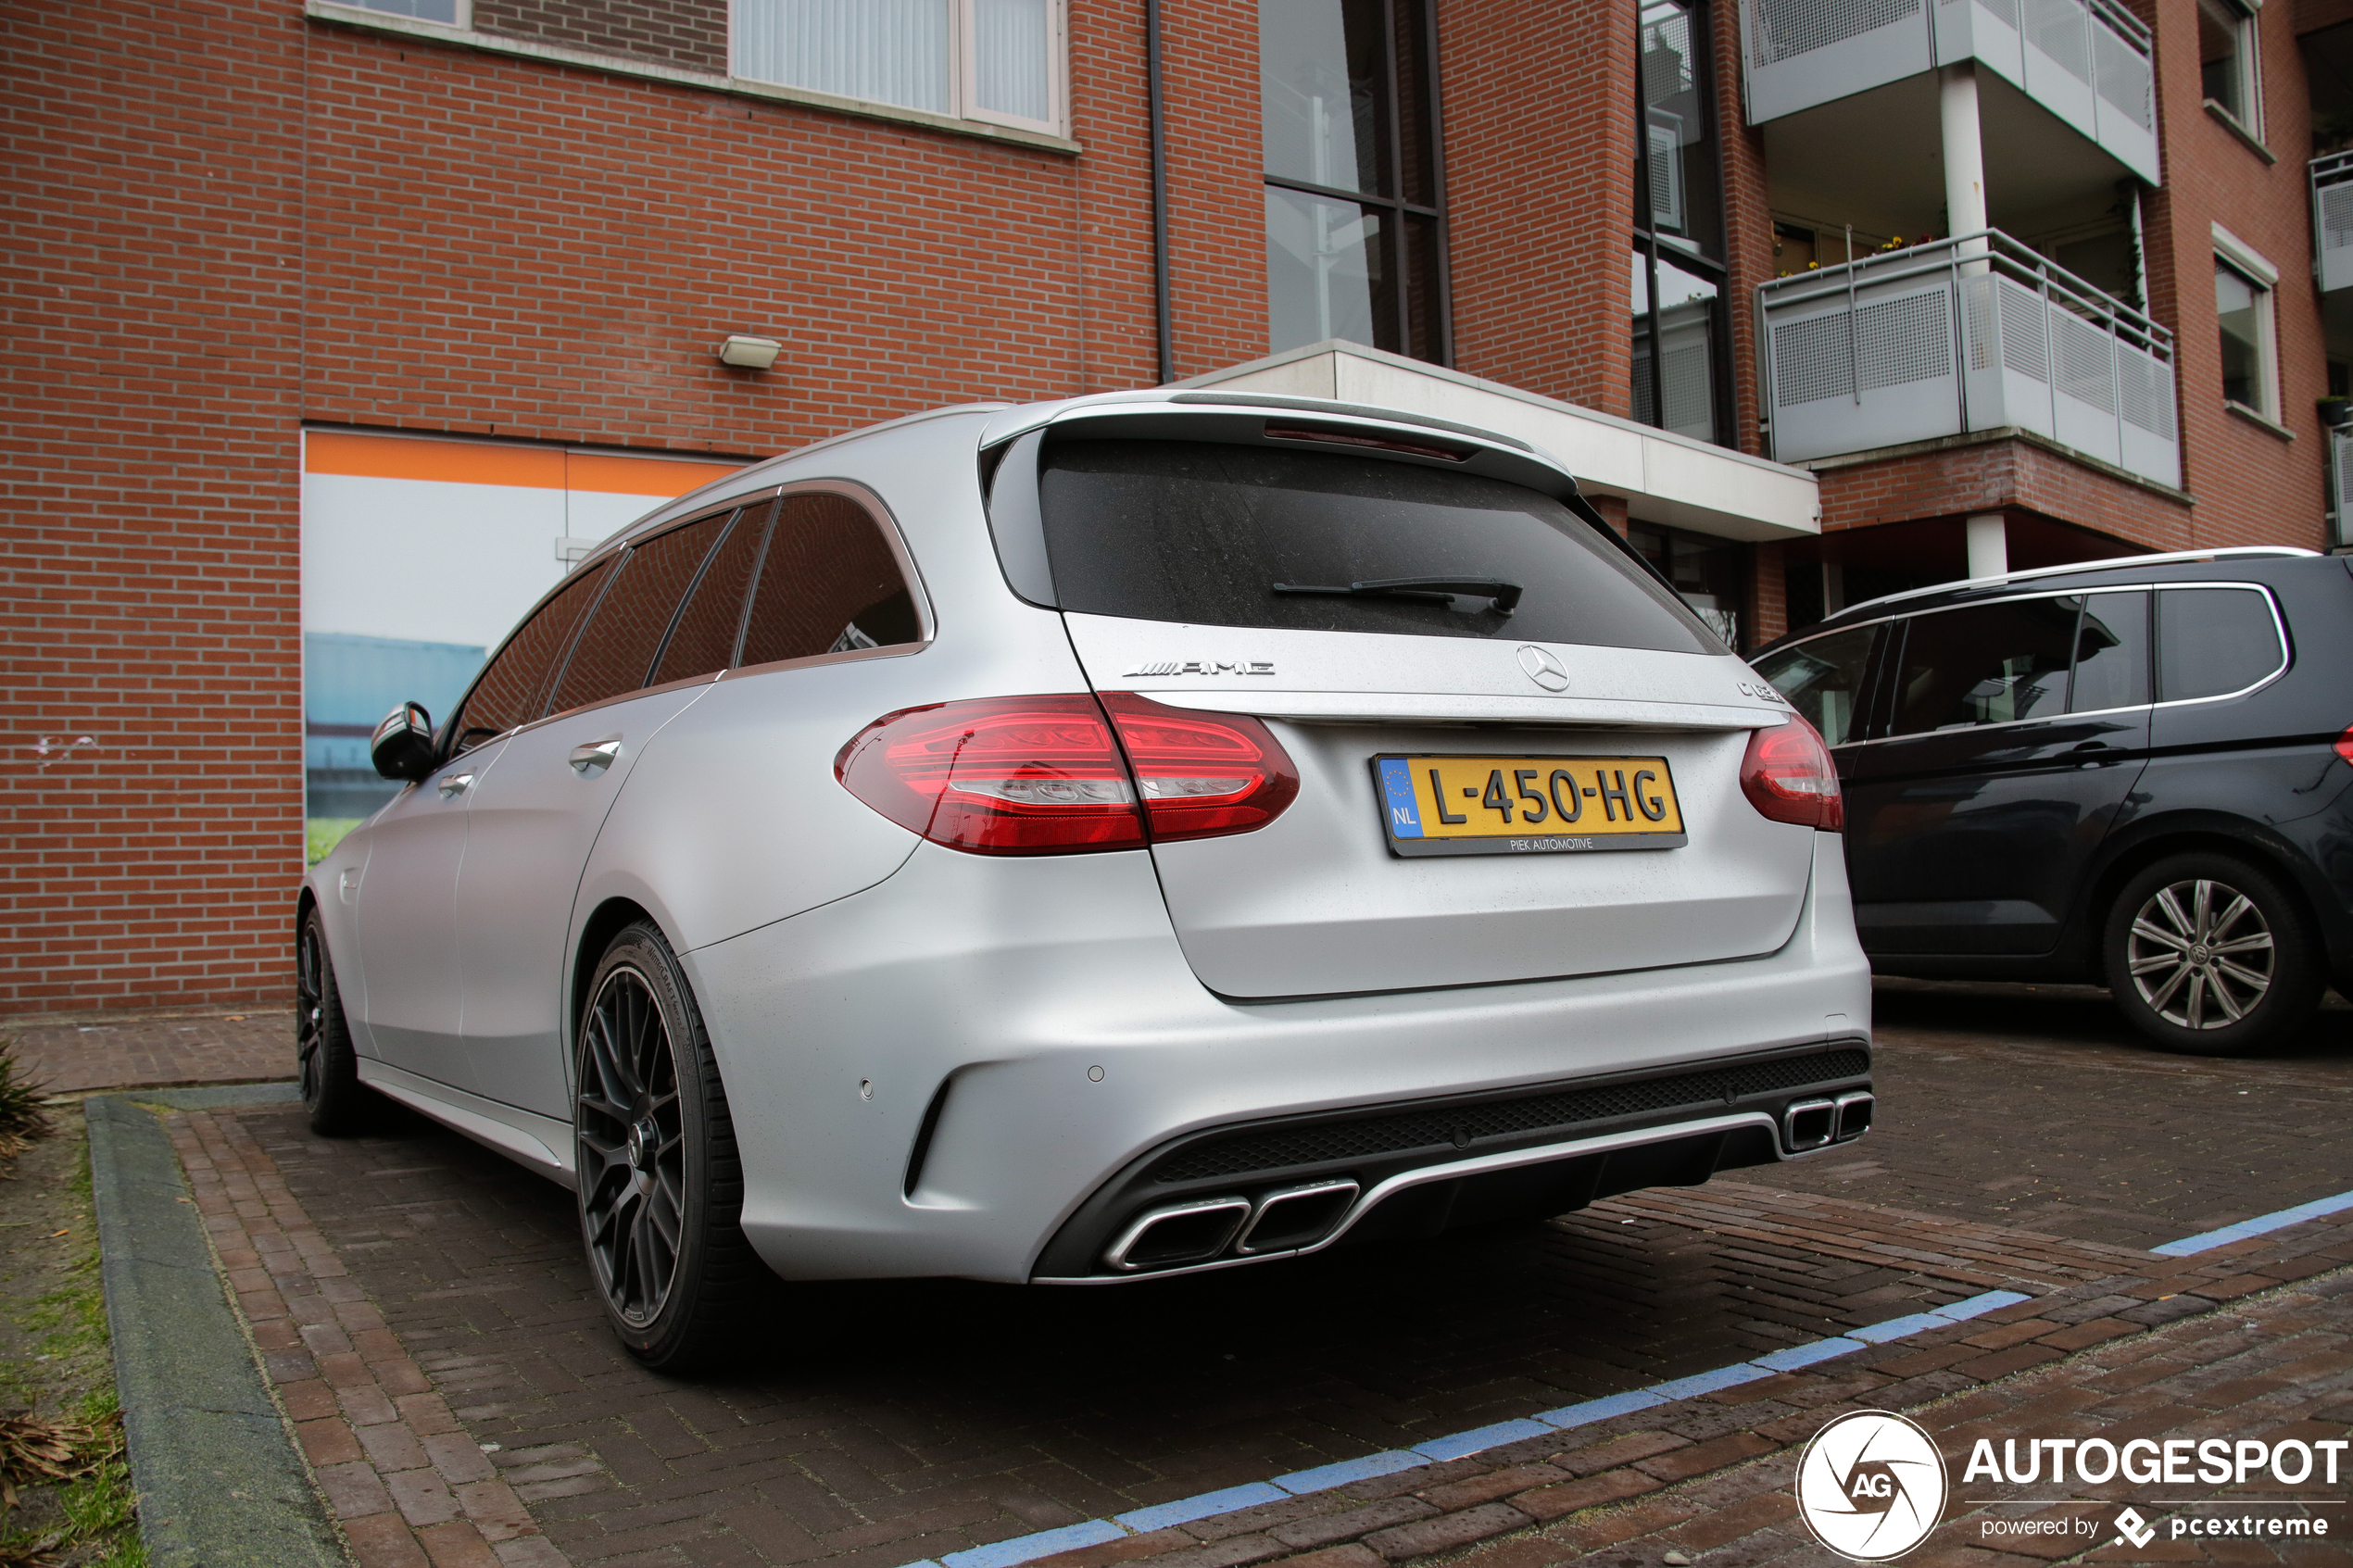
2134 772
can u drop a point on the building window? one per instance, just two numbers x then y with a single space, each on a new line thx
2227 61
1680 368
999 61
1711 574
2244 282
1355 196
451 13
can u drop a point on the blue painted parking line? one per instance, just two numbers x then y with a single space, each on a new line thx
1462 1445
1184 1511
2262 1224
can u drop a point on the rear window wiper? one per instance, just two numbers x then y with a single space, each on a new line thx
1505 594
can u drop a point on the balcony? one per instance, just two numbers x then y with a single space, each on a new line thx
2087 62
1971 333
2333 219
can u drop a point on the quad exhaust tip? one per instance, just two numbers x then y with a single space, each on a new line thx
1817 1124
1282 1221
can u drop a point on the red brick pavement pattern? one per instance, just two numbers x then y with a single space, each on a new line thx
77 1053
400 1477
2245 1357
402 1374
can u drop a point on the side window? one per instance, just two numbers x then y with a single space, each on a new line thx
2210 640
1985 664
2111 653
1821 678
829 584
512 690
617 647
704 640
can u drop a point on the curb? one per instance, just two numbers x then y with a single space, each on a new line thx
217 1477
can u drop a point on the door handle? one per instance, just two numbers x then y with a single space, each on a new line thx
2087 754
589 759
454 784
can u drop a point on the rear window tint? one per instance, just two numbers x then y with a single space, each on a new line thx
1194 531
2210 640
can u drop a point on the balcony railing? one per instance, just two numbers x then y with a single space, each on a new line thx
1973 333
2333 219
2087 61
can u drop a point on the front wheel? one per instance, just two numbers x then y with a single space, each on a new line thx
338 1102
661 1185
2210 955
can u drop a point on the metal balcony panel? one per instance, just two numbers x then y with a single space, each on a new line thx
1862 358
2332 179
2086 62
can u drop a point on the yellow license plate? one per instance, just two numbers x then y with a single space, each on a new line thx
1526 805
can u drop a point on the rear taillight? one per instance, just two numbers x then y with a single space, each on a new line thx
1202 774
1046 775
2345 744
1788 776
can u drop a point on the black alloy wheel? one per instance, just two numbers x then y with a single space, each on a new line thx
338 1102
2210 955
660 1187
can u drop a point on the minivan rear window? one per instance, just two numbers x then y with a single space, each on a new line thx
1203 532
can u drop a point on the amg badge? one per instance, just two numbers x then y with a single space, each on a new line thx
1205 667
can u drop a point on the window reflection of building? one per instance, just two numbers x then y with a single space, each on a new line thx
1355 246
1678 292
1710 574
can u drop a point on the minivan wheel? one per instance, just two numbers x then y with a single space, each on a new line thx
329 1069
660 1187
2211 956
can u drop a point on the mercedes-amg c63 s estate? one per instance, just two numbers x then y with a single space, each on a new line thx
1095 841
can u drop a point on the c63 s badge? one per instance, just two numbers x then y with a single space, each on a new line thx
1203 667
1871 1486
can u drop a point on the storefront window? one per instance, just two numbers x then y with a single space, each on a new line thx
1711 574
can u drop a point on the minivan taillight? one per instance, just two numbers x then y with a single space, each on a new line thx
1046 775
1788 776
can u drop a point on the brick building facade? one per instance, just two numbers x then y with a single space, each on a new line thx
513 233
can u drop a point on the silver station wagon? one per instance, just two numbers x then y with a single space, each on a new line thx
1095 841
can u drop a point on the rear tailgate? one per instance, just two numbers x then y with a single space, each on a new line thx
1324 900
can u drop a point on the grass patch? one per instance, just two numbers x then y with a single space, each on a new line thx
22 1121
65 1498
321 835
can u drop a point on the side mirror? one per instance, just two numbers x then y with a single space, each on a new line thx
403 746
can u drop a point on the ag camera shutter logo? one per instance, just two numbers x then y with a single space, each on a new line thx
1871 1486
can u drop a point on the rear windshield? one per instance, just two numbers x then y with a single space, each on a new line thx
1203 532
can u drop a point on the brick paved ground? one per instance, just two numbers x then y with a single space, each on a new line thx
424 1311
72 1053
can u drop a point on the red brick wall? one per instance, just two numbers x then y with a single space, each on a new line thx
1748 229
1991 475
2252 485
1540 194
149 538
247 219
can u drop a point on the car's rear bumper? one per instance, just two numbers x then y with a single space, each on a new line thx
1034 1026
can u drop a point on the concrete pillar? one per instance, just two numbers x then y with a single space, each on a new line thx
1989 546
1963 149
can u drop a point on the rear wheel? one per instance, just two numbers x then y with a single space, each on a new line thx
338 1102
660 1185
2211 956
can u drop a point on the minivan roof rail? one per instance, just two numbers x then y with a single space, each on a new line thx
2225 552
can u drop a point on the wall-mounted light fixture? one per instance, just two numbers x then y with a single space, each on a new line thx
750 353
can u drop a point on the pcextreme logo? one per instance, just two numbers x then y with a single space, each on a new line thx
1871 1486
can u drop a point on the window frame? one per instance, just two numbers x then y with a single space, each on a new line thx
2248 59
2238 257
1396 209
465 9
1647 241
2157 653
963 94
879 513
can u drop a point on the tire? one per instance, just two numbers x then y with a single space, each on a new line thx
2210 955
340 1104
660 1188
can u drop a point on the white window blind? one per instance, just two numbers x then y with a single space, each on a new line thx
984 59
